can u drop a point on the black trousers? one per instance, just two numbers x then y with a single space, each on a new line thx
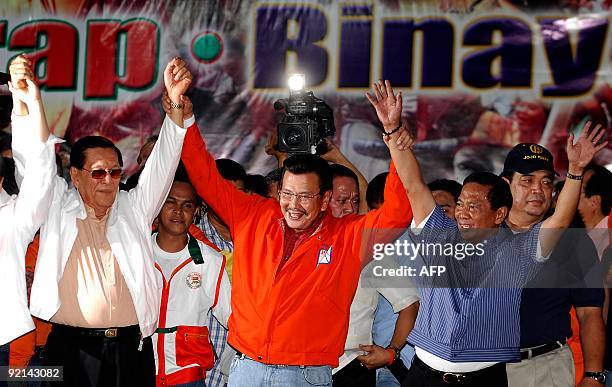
420 376
100 361
354 375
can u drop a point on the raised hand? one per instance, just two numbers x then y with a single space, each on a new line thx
165 100
403 142
29 95
187 105
581 153
20 69
387 104
177 79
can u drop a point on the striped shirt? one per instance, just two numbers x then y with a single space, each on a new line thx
218 333
474 324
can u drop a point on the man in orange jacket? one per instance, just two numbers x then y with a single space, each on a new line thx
296 267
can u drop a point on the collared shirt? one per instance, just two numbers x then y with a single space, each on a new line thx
128 232
92 288
213 235
218 333
468 324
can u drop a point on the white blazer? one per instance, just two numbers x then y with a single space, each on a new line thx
20 218
128 232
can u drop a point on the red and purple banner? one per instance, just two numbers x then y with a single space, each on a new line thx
478 76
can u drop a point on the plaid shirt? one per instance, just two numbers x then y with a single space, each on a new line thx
218 333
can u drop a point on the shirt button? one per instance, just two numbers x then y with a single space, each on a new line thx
259 357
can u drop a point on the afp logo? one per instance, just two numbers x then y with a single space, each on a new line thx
536 149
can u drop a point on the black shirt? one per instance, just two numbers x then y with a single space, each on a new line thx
544 312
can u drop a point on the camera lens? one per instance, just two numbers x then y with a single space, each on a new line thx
294 137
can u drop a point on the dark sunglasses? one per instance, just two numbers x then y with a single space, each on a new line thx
100 174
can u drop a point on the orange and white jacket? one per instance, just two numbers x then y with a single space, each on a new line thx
198 285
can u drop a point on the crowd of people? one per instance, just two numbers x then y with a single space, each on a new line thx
195 273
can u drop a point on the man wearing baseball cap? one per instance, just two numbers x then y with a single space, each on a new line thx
544 314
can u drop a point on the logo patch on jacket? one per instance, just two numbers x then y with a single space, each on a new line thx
324 256
194 280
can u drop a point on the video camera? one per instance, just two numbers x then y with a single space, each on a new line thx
307 120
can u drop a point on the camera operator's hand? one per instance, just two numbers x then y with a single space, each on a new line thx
333 154
272 149
388 105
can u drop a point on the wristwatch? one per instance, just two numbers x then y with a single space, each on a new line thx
598 376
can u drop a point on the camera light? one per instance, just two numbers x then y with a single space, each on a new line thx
296 82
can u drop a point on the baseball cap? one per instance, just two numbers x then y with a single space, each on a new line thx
527 158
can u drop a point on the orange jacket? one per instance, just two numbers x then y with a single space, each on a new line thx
300 316
22 349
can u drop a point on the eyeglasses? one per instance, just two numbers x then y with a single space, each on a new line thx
99 174
303 198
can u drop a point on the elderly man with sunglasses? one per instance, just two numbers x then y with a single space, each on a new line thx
95 279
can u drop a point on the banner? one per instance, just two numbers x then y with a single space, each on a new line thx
477 76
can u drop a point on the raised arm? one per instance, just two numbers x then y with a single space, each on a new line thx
20 69
36 154
158 173
231 204
389 108
177 79
334 155
579 155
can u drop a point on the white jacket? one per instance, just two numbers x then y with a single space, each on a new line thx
20 218
193 290
128 232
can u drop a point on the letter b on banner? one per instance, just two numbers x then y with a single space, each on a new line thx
139 41
272 45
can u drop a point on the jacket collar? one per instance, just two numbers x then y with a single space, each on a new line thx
5 198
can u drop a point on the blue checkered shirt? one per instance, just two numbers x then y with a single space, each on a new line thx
218 333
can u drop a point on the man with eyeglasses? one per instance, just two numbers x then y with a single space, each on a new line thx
95 279
296 267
